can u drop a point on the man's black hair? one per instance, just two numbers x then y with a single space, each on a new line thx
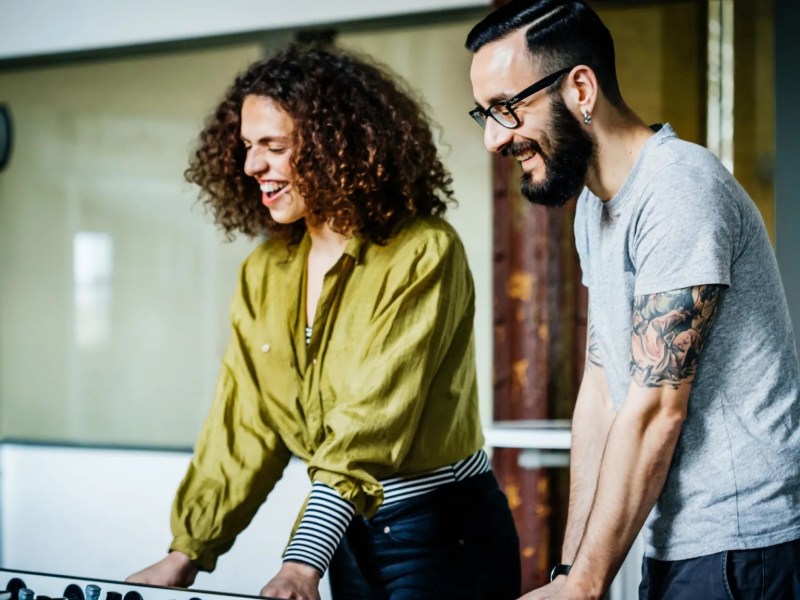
560 33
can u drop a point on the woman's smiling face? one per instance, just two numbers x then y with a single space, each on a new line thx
266 131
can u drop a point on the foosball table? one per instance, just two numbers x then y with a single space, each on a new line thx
28 585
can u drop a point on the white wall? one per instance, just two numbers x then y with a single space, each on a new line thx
104 514
36 27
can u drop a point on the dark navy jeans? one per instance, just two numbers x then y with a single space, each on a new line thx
771 573
458 541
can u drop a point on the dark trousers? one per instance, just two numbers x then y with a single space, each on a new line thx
771 573
458 541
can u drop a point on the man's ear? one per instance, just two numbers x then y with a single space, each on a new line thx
581 91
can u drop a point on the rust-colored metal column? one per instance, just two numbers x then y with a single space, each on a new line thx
539 337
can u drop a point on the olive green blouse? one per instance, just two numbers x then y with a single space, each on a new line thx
385 387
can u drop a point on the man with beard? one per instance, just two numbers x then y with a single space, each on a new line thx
687 418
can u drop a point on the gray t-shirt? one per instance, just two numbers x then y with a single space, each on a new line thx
681 220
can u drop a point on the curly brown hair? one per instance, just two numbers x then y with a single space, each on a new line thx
364 156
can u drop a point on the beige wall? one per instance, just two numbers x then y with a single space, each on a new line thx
127 350
754 104
125 354
661 62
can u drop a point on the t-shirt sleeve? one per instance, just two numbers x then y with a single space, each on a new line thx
685 232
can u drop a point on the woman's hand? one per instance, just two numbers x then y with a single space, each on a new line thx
174 570
296 581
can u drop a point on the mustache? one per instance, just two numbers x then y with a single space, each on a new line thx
518 148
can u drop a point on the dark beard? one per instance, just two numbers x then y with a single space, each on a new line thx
570 152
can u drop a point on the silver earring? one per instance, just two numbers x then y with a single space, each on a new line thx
587 118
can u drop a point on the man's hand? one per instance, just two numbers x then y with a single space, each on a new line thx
551 590
296 581
174 570
557 590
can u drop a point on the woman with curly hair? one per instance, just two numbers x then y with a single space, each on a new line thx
352 346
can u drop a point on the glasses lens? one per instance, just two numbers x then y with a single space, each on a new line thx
479 117
503 115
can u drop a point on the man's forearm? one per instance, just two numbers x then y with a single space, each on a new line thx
591 423
588 442
632 474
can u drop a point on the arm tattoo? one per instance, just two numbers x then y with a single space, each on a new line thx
669 329
592 348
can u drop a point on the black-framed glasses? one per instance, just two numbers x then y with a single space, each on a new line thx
503 111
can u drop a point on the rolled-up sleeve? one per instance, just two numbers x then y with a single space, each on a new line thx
238 457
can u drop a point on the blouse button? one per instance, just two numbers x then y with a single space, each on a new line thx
265 348
386 529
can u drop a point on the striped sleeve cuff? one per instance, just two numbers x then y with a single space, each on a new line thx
322 527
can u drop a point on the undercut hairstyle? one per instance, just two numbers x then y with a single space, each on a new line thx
560 34
363 150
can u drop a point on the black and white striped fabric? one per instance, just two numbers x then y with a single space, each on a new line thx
327 514
324 522
404 488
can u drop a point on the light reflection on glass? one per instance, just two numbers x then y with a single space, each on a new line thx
92 270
